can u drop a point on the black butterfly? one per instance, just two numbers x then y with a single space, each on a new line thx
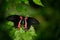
21 20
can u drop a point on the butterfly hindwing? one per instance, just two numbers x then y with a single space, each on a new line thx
33 22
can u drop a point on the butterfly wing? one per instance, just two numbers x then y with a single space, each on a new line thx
15 19
33 22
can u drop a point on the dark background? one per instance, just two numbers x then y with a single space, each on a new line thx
48 16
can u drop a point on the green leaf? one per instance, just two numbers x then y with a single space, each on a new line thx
22 35
10 23
38 2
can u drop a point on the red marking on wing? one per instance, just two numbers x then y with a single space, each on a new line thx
25 26
21 17
19 24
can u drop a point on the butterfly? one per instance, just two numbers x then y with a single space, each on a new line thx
21 20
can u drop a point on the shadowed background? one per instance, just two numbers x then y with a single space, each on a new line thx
48 16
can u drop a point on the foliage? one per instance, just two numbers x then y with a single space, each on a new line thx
38 2
48 16
19 34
